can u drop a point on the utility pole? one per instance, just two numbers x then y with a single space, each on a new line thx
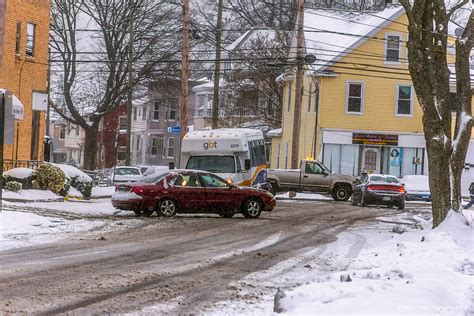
217 67
184 73
130 87
2 136
295 143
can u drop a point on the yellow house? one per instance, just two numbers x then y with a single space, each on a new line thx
358 108
24 35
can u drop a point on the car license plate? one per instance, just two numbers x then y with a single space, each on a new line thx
387 198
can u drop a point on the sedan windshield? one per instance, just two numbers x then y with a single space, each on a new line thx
218 164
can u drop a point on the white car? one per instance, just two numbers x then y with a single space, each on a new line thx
417 188
124 174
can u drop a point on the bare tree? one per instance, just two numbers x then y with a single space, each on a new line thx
90 45
431 74
253 94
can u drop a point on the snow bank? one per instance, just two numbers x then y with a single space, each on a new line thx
71 172
422 272
74 192
19 173
303 196
102 191
31 195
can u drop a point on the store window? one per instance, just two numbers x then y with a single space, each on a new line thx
355 98
342 158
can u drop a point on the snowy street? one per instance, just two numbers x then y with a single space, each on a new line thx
191 264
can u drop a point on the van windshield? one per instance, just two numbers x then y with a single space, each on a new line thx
217 164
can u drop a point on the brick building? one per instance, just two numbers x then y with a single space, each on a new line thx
24 33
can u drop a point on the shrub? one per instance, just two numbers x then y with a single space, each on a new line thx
48 177
13 186
24 176
85 187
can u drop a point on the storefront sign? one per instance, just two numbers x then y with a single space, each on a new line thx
375 139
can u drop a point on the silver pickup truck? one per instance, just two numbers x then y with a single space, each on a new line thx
313 176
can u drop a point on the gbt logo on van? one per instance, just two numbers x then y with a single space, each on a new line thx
209 145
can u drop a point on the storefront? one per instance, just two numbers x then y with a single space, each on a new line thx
398 154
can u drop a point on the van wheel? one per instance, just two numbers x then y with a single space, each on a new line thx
167 208
252 208
341 192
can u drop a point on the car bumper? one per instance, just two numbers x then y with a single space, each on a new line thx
270 205
128 205
383 198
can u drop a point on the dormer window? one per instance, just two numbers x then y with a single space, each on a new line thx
392 48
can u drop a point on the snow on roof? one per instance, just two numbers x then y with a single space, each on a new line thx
274 132
251 35
331 34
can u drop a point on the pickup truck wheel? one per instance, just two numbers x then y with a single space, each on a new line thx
341 192
252 208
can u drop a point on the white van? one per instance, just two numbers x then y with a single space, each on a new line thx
235 154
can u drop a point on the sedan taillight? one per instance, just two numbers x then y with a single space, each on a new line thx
137 190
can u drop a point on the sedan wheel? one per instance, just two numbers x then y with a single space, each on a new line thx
167 208
252 208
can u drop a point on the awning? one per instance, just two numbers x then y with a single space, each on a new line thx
17 108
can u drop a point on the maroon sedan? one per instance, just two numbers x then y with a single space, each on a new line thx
186 191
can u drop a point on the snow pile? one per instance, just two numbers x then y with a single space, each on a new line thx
73 192
102 191
71 172
303 196
19 173
31 195
422 272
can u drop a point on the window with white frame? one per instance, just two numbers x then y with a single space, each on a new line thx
135 113
154 146
171 147
144 112
173 106
355 97
156 111
30 39
392 48
62 132
122 123
404 100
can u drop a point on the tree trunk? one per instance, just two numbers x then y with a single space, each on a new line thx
90 148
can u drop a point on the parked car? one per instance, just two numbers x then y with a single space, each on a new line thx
312 176
122 174
379 189
417 188
189 191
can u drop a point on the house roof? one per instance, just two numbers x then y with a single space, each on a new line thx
332 34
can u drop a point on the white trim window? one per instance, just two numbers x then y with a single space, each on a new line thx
170 147
355 97
30 39
404 106
393 48
156 111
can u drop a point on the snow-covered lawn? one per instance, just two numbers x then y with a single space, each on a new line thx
20 229
419 272
31 195
423 272
102 191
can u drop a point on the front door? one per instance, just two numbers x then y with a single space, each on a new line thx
220 196
371 159
314 178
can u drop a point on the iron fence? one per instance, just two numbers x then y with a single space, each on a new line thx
10 164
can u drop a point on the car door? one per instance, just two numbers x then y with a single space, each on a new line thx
189 192
220 195
315 178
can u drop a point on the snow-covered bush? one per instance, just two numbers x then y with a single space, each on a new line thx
25 176
49 177
13 186
77 179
